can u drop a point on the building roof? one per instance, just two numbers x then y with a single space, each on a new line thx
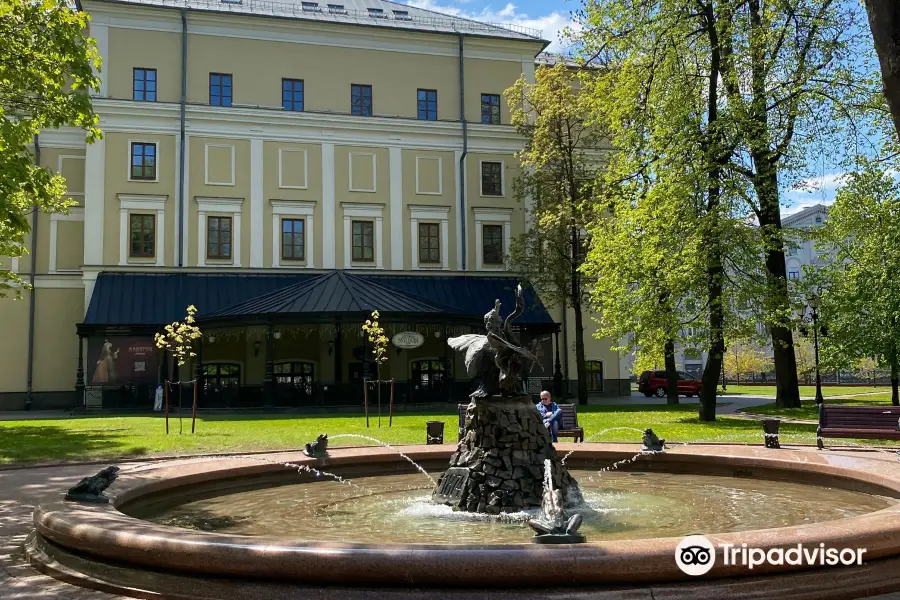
372 13
127 300
798 218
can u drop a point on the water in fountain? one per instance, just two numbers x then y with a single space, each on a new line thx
597 434
388 446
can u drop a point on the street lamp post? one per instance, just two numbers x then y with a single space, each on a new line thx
814 305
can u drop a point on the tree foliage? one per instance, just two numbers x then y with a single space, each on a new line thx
560 159
743 359
45 79
860 290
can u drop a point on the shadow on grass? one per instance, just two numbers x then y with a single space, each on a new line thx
40 443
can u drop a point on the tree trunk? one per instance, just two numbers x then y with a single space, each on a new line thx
671 374
579 352
787 391
580 366
884 21
895 380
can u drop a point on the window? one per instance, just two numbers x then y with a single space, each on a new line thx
361 100
143 235
218 237
429 243
219 89
292 94
377 13
793 273
143 161
402 15
492 244
337 9
292 239
144 85
490 109
363 241
593 375
299 375
218 375
426 101
491 179
310 6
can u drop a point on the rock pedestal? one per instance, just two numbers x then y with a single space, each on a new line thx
498 466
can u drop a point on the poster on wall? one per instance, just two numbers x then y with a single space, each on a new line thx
117 360
541 345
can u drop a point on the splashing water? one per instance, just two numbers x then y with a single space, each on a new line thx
305 469
389 447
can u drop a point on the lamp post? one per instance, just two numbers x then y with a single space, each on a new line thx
814 306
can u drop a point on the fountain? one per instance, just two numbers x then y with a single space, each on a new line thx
373 517
499 463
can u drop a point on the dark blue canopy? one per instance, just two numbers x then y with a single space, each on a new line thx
152 299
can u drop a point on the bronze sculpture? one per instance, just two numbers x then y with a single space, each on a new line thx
90 489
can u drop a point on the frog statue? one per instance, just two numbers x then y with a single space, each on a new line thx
318 448
90 489
554 526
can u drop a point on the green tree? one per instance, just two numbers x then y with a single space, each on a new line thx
660 93
744 358
559 160
860 291
791 78
45 79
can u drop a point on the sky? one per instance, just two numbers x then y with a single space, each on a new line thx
553 16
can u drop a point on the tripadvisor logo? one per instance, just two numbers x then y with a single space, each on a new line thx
696 555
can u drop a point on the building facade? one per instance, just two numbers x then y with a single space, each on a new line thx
344 152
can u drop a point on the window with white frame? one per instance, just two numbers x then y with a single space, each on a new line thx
293 237
363 235
219 231
493 231
142 229
429 229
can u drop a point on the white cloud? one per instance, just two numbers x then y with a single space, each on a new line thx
551 25
809 192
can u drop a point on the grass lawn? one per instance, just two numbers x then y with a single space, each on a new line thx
809 411
805 390
110 437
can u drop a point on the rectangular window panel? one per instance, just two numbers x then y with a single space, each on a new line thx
363 241
429 243
794 274
220 89
426 101
218 237
292 239
492 244
144 85
491 179
292 94
361 100
142 235
490 109
143 161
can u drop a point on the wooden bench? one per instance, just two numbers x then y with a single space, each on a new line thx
862 422
568 428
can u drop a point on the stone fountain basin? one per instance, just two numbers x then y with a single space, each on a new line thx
105 533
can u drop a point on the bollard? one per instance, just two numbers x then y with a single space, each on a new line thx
770 429
434 432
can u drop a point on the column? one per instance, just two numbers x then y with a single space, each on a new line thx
310 241
256 204
379 246
445 244
413 243
94 201
328 207
186 203
54 231
79 372
160 237
269 378
201 239
396 207
123 239
347 242
457 156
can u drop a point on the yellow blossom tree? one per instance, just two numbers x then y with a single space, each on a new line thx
379 341
179 339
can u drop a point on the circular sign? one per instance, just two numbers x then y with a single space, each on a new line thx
695 555
408 339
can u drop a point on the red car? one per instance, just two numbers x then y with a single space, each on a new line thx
655 382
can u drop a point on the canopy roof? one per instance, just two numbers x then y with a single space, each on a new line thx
127 301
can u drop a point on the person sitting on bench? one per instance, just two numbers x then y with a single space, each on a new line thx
551 413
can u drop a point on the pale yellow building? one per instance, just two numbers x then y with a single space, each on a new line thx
285 167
